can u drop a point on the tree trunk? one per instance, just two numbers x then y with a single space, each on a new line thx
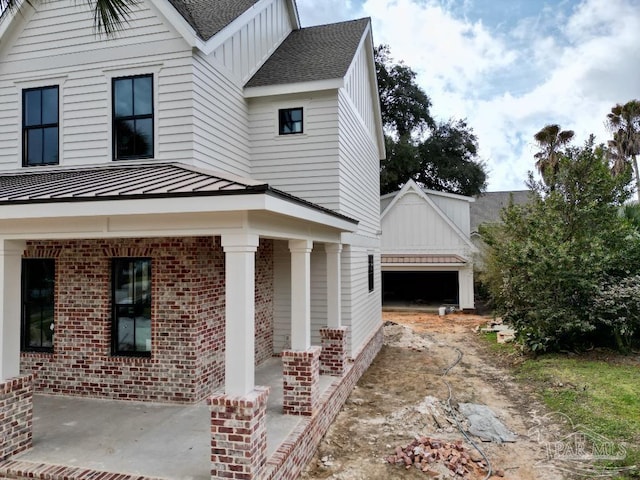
634 163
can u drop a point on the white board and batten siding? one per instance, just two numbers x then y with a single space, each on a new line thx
55 45
305 165
244 52
457 209
414 226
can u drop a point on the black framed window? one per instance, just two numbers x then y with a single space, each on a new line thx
133 117
289 121
131 331
38 303
371 273
40 126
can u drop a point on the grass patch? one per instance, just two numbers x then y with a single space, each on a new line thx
602 396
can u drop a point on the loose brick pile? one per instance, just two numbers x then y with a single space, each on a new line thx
430 456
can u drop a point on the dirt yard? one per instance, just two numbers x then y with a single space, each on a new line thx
403 397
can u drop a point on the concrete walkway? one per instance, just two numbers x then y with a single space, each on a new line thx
147 439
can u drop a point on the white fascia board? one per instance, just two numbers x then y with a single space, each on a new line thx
178 22
155 206
455 196
289 88
10 17
398 267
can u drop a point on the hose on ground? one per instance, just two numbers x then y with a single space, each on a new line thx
455 417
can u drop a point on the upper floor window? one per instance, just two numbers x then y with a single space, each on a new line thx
133 117
38 299
40 126
289 121
131 333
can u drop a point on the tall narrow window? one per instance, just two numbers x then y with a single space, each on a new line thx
371 273
133 117
38 281
131 332
290 121
40 126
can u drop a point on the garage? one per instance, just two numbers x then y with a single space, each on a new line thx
440 288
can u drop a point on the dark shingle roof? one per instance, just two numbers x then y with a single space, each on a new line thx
487 207
315 53
208 17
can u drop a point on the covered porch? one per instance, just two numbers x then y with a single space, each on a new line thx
141 439
96 216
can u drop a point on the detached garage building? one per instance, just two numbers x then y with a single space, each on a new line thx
427 254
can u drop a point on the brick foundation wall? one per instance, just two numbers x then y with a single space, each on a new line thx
187 361
333 357
295 453
16 415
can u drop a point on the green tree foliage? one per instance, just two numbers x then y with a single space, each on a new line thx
552 260
437 155
109 16
624 123
550 140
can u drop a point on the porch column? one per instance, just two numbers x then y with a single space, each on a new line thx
238 417
240 251
301 364
300 294
465 288
10 285
16 392
334 335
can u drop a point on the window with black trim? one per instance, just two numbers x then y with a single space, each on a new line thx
131 331
133 117
38 302
290 121
40 126
371 273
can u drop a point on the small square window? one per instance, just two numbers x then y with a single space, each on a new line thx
40 126
290 121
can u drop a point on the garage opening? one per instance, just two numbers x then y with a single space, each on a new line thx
420 288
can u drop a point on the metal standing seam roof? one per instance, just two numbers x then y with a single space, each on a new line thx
126 182
314 53
208 17
404 259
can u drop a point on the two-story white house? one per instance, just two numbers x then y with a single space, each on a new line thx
180 203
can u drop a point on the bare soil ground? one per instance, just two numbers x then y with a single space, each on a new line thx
403 396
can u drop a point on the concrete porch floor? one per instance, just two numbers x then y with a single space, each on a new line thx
146 439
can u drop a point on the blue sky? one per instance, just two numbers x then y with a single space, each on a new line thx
509 66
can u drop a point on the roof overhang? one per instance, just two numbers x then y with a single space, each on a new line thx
420 261
291 88
200 200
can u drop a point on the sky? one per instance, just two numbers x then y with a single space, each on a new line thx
509 67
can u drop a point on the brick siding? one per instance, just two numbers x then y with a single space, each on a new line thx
301 381
187 361
333 357
16 415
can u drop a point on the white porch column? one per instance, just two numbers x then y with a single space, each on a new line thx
465 288
10 280
240 252
334 299
300 294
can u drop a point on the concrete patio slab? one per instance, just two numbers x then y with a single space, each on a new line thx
146 439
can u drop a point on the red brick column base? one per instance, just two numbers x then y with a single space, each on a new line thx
334 351
301 371
16 415
239 435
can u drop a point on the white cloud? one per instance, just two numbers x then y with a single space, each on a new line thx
568 64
